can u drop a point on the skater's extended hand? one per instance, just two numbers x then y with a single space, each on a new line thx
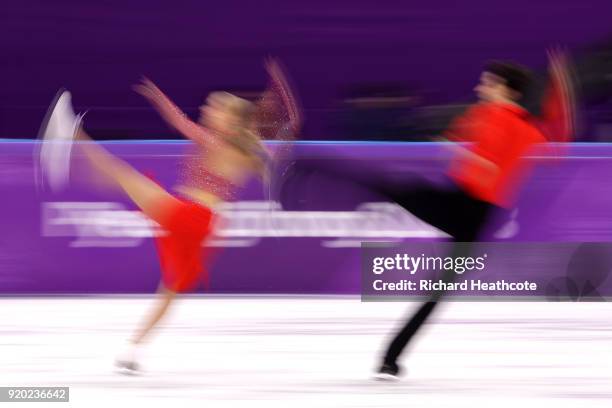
281 86
559 107
557 62
273 67
148 89
171 113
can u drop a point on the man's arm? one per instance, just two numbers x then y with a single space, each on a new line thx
557 121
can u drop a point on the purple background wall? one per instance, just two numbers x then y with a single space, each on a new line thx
99 49
45 250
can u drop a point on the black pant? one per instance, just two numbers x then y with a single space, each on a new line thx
454 212
449 209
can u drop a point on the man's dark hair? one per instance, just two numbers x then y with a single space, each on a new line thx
517 77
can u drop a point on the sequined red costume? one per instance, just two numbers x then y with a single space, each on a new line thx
187 224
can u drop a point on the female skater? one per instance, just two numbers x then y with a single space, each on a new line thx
227 151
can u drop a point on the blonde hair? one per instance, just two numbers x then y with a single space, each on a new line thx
244 136
239 107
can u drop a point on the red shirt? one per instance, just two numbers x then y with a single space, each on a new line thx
501 135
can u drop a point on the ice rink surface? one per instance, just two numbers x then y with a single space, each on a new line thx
310 352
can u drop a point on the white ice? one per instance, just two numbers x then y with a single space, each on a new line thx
310 352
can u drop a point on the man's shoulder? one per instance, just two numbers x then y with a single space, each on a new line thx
502 113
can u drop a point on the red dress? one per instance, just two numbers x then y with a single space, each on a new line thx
186 226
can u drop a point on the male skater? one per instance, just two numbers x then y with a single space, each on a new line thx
485 175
